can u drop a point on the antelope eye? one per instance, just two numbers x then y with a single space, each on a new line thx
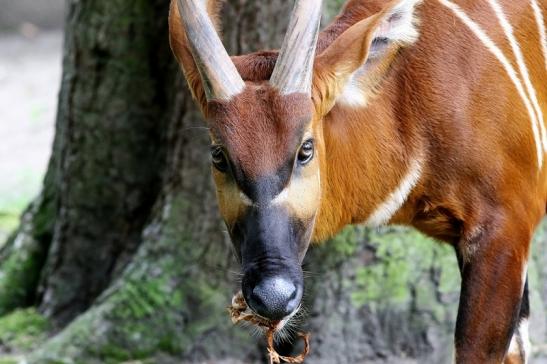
305 154
219 159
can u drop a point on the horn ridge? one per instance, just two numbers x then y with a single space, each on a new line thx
220 78
294 68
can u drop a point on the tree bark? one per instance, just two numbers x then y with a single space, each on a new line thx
115 104
171 298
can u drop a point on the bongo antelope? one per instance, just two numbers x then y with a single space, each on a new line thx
424 113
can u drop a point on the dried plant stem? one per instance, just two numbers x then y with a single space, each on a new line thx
275 358
238 314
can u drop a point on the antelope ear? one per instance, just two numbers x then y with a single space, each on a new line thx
346 71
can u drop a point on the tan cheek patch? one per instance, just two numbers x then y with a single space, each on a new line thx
303 194
231 201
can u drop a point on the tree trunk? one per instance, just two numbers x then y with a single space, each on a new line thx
114 109
124 250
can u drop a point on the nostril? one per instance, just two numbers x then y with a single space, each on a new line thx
274 298
280 289
294 301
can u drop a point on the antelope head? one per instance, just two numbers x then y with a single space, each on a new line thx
267 145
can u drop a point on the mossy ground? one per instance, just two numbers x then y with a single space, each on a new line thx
8 223
21 331
14 201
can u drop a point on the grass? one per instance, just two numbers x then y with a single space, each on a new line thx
21 331
8 222
13 201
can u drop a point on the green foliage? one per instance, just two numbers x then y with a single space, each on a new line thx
22 330
9 360
345 244
332 7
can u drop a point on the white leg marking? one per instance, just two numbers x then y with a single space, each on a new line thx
520 345
385 211
508 29
514 347
496 51
541 28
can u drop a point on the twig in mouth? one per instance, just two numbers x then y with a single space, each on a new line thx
239 312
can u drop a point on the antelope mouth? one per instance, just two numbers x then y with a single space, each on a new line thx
240 312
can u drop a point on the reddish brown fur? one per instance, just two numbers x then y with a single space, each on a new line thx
445 99
246 124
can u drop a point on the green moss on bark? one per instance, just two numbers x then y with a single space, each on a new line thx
400 270
19 274
167 303
21 261
394 294
22 257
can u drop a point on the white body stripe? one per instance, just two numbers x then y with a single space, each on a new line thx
541 28
496 51
508 29
385 211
